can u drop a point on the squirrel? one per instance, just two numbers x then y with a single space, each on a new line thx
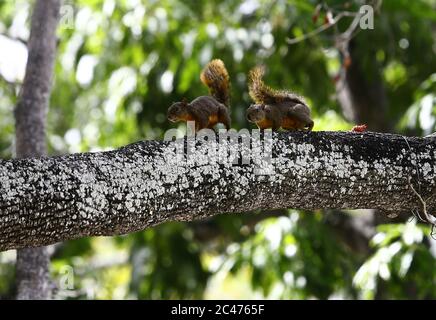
207 111
276 109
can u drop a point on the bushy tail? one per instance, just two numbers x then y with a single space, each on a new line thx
258 90
262 94
216 78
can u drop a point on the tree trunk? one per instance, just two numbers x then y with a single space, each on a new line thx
46 200
361 93
32 270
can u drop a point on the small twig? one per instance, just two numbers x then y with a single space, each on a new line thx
11 83
348 33
341 82
428 218
14 38
419 216
431 136
321 28
416 215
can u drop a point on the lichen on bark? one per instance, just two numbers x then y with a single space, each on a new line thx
50 199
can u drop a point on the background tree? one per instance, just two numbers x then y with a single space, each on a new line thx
122 62
32 273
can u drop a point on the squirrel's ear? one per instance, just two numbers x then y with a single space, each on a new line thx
184 100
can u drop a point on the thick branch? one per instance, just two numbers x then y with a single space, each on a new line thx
46 200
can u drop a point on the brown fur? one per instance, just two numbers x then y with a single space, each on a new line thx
282 108
207 111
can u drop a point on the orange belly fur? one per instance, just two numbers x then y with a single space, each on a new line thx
186 117
213 120
264 124
291 123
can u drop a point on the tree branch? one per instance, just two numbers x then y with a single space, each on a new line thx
45 200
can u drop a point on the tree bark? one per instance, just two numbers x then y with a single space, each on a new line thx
32 267
46 200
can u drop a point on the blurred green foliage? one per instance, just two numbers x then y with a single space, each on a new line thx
120 65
